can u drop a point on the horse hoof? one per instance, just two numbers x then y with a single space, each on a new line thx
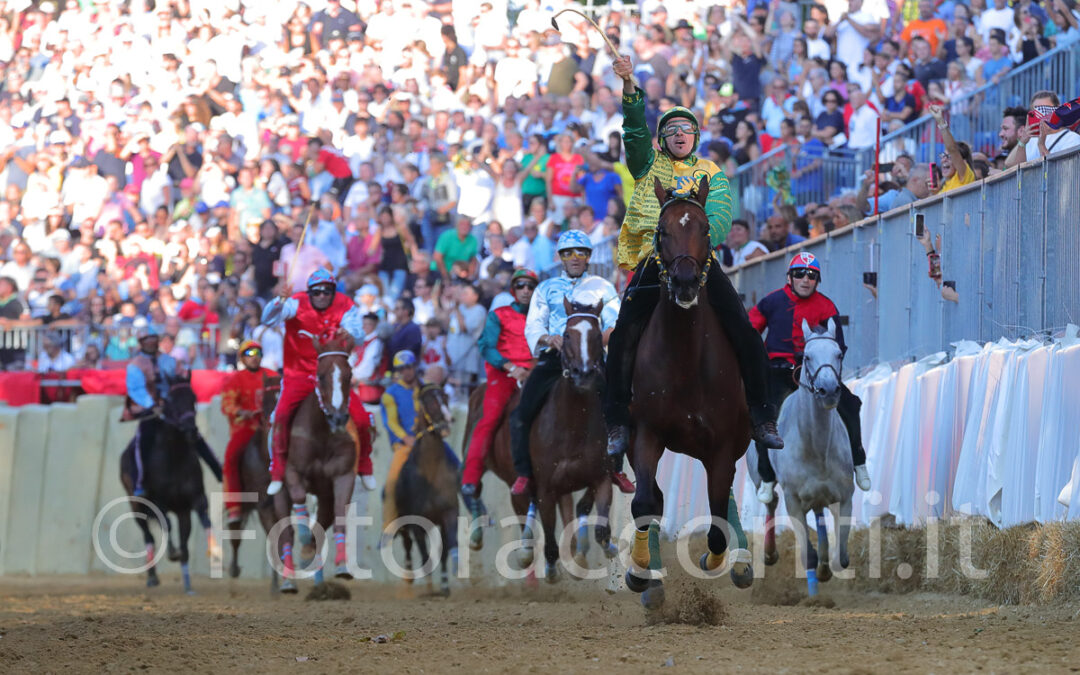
476 539
288 586
653 597
771 557
172 554
188 591
635 583
824 573
525 558
742 575
234 570
342 572
581 561
153 581
551 573
844 562
708 563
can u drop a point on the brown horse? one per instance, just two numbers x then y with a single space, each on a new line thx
688 394
427 487
567 441
255 476
322 459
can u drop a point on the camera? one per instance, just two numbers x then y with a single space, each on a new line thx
870 278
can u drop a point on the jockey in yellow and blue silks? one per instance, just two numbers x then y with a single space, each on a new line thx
678 169
147 380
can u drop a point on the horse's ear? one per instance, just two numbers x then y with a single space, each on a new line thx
806 330
567 306
703 191
830 327
597 308
661 193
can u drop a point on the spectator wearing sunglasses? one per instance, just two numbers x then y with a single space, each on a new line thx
783 312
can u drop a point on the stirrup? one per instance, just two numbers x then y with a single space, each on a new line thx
274 487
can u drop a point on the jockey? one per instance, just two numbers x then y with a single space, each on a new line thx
241 403
680 170
544 332
507 362
399 416
783 312
147 387
321 312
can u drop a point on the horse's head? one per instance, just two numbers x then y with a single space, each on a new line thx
271 390
334 379
681 242
433 411
822 363
583 344
178 407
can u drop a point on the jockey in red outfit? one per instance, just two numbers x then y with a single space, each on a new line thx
241 403
507 362
320 312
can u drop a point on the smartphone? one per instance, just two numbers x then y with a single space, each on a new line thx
920 225
870 278
933 176
1033 120
885 168
950 284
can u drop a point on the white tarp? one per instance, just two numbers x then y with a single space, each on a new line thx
994 431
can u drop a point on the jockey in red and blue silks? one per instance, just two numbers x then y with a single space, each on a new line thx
507 361
320 312
782 313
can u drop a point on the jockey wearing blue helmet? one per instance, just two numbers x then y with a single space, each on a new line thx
544 326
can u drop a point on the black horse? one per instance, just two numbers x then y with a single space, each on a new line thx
172 477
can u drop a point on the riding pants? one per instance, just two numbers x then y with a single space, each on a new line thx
638 303
782 384
238 440
294 389
362 419
500 388
543 377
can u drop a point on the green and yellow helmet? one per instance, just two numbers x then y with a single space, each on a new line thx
685 113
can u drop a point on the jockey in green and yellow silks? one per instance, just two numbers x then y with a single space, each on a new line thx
678 169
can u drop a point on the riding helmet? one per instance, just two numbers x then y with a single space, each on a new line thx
321 277
404 359
573 239
685 113
147 331
524 273
804 260
248 344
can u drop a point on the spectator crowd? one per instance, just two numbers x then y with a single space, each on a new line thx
159 159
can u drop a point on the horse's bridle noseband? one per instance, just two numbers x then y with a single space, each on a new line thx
665 276
812 376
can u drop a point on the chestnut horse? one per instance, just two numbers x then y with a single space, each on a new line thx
688 394
322 458
255 476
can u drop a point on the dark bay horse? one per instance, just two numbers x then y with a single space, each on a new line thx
322 459
255 476
172 478
427 487
567 441
688 395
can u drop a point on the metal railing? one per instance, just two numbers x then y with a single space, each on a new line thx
974 118
114 343
1010 244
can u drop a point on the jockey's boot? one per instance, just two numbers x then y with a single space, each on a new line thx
765 492
472 500
763 429
233 515
368 481
862 478
522 486
618 440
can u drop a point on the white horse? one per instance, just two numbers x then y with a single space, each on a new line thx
814 469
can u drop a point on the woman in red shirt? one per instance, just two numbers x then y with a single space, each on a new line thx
560 173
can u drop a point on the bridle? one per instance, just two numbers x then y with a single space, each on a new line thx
179 421
659 233
318 390
812 376
562 352
431 424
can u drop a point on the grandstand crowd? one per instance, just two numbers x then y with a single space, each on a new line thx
159 160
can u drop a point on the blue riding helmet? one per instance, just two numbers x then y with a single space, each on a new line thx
573 239
404 359
147 331
321 277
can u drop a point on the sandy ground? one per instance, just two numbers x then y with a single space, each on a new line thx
115 624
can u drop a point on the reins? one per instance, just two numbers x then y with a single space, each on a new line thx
665 276
431 425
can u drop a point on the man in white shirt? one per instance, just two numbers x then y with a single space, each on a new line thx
999 16
854 31
863 125
816 46
477 191
1048 141
53 358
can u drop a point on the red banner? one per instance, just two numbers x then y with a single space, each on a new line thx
24 388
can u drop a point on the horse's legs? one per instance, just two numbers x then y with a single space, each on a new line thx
343 489
648 501
266 518
409 572
449 550
324 516
183 519
823 571
213 549
842 517
551 542
284 542
602 530
771 556
719 476
422 545
148 539
583 509
797 518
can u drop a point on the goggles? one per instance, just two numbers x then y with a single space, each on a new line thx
251 351
568 253
321 290
524 284
672 128
813 275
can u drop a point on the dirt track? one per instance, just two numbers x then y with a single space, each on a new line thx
112 624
